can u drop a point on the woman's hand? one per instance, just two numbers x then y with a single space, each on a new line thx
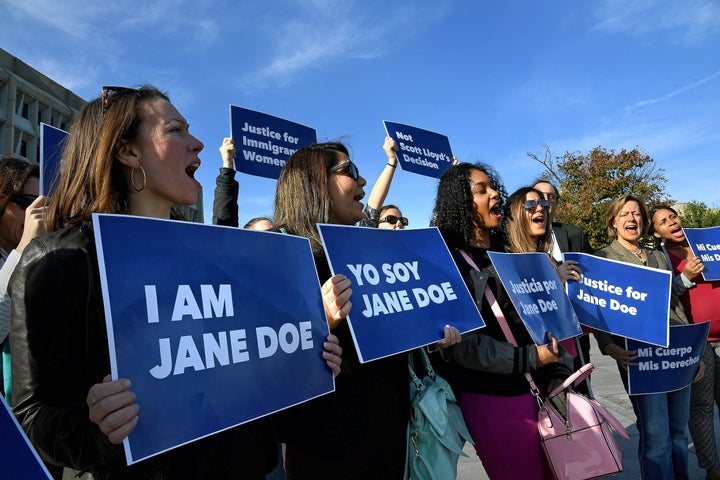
336 299
569 270
333 354
700 373
113 408
624 358
390 148
451 337
693 269
227 152
34 222
547 354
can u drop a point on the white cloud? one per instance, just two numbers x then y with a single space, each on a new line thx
686 21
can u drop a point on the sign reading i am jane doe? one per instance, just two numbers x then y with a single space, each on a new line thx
705 243
405 285
420 151
616 297
226 322
533 285
264 143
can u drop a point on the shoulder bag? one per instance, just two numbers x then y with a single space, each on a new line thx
437 430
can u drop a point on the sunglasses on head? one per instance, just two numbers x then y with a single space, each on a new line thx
352 170
531 205
23 200
109 91
392 219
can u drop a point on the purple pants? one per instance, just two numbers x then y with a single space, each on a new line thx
506 436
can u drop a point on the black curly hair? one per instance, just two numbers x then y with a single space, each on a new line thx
454 213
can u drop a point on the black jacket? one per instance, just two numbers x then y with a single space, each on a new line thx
60 349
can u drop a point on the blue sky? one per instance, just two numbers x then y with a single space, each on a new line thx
499 78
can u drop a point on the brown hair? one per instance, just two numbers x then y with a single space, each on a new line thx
517 227
301 195
92 178
617 205
14 173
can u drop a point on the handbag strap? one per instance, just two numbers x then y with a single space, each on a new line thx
502 321
426 363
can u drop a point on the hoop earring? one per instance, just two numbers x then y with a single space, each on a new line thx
132 179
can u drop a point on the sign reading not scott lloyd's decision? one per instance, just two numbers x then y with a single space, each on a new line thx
405 285
420 151
226 322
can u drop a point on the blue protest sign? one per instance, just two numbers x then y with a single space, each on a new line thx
705 243
264 143
52 142
666 369
620 298
405 285
18 458
226 322
533 285
420 151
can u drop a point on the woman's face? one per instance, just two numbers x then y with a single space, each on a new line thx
169 155
668 227
12 221
536 217
387 215
345 194
629 223
485 199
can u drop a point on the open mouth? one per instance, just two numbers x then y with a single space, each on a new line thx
539 220
631 228
496 211
359 197
190 171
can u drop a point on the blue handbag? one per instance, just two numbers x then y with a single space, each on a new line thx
437 430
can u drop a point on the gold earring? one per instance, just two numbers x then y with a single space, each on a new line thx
132 179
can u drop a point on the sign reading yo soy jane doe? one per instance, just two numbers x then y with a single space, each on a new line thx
264 143
405 285
705 243
229 332
620 298
420 151
537 293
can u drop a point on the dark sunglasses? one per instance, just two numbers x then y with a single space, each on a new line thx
110 91
531 205
392 219
352 170
23 200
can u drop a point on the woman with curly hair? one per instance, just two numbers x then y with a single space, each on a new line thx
486 371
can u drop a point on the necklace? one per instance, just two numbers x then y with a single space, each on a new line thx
639 255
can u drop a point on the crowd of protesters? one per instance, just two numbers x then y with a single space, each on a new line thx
130 152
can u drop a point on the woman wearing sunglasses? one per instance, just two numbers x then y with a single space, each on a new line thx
486 371
359 431
130 152
20 221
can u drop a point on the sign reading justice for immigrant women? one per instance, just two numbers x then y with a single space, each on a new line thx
405 285
214 326
264 143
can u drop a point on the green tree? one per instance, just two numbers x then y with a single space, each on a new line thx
588 183
697 214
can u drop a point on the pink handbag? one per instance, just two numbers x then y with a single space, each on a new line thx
577 440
